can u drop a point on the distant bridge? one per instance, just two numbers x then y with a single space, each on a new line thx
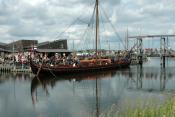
150 36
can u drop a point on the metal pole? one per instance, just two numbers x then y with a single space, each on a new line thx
127 34
126 40
13 57
164 52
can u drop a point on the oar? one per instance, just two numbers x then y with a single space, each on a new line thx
40 68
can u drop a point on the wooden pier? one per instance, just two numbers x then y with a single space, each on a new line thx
21 70
164 45
7 68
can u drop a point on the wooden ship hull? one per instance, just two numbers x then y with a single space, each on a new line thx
70 69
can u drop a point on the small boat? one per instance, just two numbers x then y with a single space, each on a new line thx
95 64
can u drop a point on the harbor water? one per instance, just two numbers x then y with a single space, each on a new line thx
87 94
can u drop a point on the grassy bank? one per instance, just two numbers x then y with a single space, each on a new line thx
166 109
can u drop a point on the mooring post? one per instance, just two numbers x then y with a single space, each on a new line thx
167 51
140 50
162 78
162 49
139 76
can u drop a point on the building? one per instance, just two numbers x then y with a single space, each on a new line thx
3 49
3 46
22 45
26 45
58 44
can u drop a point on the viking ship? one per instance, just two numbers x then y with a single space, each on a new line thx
95 64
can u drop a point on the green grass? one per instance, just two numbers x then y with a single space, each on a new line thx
166 109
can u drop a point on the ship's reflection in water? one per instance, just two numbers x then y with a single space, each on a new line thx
89 94
87 83
96 92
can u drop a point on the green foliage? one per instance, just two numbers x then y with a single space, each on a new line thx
151 110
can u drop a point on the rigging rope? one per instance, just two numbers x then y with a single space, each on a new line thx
90 25
59 35
74 21
115 31
103 25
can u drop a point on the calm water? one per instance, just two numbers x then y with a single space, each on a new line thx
84 95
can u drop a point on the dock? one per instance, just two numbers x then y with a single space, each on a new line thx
8 68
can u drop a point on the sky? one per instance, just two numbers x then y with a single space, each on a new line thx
46 20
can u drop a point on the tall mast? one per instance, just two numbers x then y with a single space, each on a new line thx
97 28
96 47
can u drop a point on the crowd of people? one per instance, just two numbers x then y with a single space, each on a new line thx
56 59
18 60
52 59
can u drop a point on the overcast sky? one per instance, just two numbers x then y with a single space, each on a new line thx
44 20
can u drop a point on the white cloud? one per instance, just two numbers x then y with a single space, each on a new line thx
46 19
34 2
108 33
